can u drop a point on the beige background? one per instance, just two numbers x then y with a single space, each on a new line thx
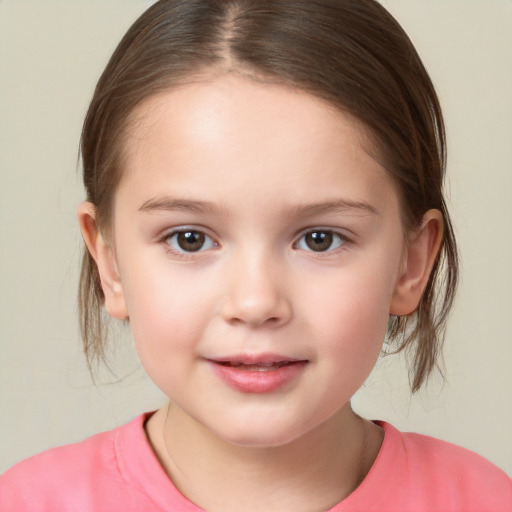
51 54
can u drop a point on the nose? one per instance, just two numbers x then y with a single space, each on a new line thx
257 294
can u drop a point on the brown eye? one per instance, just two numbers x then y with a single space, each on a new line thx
320 241
189 241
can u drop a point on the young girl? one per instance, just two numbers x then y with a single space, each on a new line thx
264 206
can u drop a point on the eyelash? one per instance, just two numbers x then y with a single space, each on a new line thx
203 238
328 236
332 237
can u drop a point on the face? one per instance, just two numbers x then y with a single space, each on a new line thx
258 247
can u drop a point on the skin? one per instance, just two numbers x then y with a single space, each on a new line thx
256 167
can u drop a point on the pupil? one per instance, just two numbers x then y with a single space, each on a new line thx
191 240
319 240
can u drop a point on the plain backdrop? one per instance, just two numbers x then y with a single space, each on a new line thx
52 53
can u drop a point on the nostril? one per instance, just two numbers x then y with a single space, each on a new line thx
257 299
255 321
256 317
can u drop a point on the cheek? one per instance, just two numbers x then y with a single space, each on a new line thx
167 312
354 344
355 297
356 331
351 315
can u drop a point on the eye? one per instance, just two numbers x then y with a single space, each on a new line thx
320 241
189 240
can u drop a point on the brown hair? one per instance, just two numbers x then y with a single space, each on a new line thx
351 53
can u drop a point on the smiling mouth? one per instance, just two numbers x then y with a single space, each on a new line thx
264 373
258 367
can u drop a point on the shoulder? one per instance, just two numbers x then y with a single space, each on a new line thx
450 474
447 458
59 478
66 459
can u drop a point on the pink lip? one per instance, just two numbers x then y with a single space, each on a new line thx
262 373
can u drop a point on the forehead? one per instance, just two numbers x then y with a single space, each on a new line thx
202 107
231 131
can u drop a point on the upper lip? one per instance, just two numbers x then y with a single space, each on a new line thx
249 359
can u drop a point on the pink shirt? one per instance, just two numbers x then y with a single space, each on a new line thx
118 471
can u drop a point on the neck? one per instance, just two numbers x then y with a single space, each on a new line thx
306 474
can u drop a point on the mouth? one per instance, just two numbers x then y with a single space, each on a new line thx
257 362
258 367
258 374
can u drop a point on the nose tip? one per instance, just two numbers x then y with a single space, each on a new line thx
257 299
254 315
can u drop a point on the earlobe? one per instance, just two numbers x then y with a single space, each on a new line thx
104 256
420 256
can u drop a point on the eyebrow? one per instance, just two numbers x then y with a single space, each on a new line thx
167 203
335 206
173 204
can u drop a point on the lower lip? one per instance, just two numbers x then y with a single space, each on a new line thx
264 381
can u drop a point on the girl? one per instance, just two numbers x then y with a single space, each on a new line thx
263 206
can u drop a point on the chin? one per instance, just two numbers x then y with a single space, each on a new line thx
260 441
260 434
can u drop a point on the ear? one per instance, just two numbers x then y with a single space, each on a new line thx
104 256
420 254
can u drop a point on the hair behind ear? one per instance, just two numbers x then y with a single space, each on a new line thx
420 332
92 316
100 289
